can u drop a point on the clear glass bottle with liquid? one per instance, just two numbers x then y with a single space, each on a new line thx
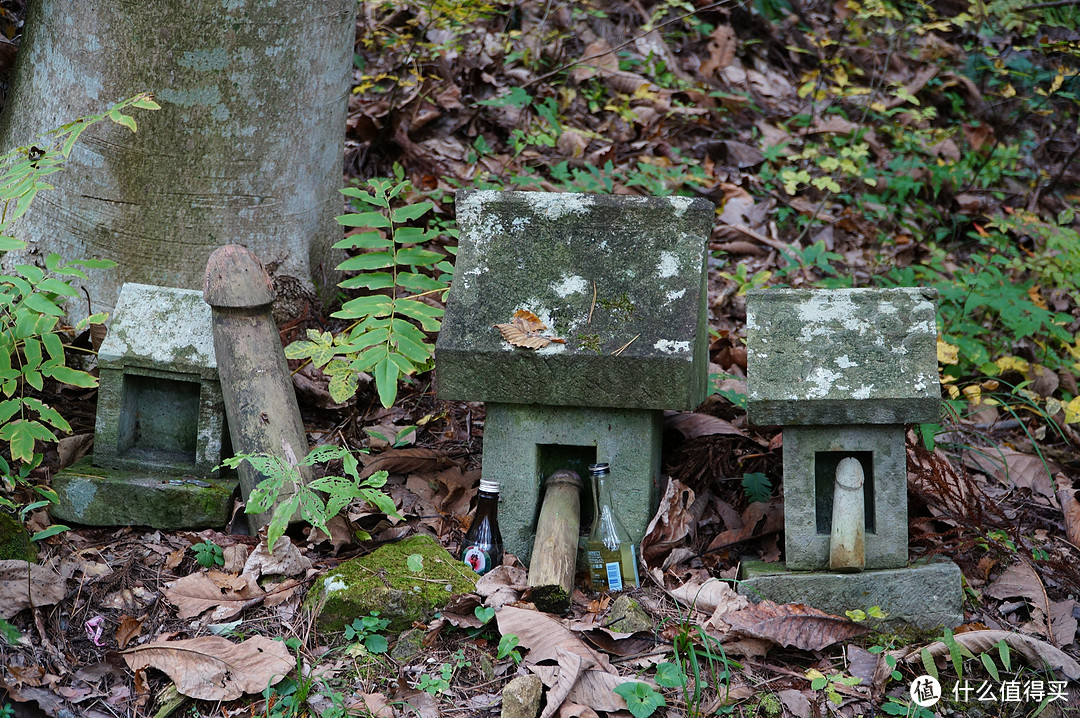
611 553
482 548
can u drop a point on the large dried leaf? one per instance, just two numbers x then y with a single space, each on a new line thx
212 668
672 523
710 596
407 461
759 519
594 688
1063 622
1037 653
722 46
286 560
224 594
1070 508
544 635
1013 468
793 625
1021 581
23 585
692 425
563 680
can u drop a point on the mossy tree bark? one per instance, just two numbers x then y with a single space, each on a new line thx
247 148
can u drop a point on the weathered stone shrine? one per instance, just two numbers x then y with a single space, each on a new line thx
160 420
843 371
619 285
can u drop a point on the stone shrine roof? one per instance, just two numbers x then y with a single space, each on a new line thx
843 356
620 279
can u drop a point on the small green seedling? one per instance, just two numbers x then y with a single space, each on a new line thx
209 554
366 631
641 698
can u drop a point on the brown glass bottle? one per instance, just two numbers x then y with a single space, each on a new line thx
482 548
610 551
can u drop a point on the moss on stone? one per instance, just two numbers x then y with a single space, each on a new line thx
15 543
382 581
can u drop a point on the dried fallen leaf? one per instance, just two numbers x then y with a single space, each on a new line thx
1036 652
524 331
199 592
502 585
212 668
286 560
793 625
1020 580
759 519
692 425
1013 468
1070 508
722 46
1063 622
544 635
128 630
407 461
23 585
710 596
672 523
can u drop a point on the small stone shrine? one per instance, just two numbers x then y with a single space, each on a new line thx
609 293
843 371
160 420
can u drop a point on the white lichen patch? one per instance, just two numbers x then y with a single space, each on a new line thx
334 583
520 223
553 348
680 204
668 266
669 346
553 205
863 392
672 295
570 284
845 362
820 382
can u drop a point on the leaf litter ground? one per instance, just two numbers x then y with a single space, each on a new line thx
693 107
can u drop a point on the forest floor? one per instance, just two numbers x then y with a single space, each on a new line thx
844 145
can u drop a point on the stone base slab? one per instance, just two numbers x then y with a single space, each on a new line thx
95 496
923 595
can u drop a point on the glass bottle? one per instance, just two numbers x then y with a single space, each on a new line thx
611 553
482 548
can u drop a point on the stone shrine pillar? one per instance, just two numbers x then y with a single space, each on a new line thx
619 285
843 371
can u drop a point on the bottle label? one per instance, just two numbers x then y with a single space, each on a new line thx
477 559
614 576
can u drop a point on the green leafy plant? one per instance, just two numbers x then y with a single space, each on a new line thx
508 648
366 630
642 699
31 334
819 681
698 658
288 698
387 338
757 487
484 614
284 490
436 684
208 554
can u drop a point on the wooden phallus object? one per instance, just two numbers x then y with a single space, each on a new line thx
260 402
554 553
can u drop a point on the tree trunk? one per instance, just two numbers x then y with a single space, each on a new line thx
247 148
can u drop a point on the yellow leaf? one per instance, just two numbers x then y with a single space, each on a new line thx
1056 84
973 394
1008 91
1072 411
1035 294
1012 364
947 353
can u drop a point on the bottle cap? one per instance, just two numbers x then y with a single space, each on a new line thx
490 486
599 469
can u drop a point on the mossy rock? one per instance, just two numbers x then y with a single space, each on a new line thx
15 543
382 581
